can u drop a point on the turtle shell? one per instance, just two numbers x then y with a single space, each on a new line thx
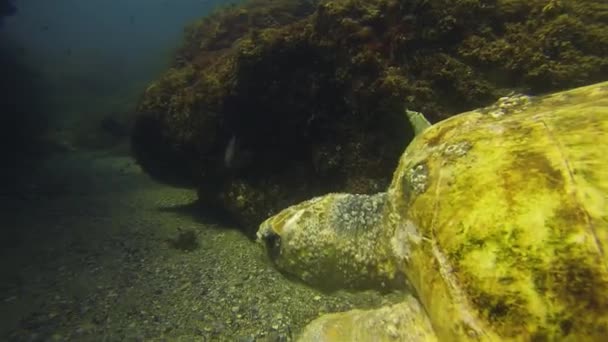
499 218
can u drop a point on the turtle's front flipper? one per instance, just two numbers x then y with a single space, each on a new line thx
406 322
331 242
418 121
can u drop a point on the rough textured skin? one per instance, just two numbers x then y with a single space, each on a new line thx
499 220
329 241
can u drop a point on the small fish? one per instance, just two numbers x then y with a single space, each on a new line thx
230 152
236 155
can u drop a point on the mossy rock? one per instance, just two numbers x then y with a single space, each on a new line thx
269 95
497 219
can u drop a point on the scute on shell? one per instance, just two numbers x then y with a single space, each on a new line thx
513 219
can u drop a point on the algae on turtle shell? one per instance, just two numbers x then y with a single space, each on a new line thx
497 218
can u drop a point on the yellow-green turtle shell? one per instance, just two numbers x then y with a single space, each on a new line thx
499 219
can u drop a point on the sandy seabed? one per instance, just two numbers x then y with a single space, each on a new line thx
84 257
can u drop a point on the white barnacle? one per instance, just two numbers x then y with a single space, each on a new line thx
406 236
508 105
458 149
497 129
290 224
497 113
418 176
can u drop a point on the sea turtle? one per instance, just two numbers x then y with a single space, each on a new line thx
496 218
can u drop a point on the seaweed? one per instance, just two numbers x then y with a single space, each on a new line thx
314 91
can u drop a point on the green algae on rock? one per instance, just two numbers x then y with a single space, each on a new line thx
314 90
497 219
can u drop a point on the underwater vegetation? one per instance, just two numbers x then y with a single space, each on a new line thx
271 102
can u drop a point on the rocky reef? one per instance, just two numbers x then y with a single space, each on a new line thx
269 103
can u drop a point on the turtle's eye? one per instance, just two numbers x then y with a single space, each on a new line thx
273 244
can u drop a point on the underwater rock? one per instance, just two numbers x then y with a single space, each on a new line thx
506 241
311 94
158 156
186 240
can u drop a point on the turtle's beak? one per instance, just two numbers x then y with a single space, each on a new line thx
270 238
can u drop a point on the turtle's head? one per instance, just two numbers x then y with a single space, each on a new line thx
328 241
